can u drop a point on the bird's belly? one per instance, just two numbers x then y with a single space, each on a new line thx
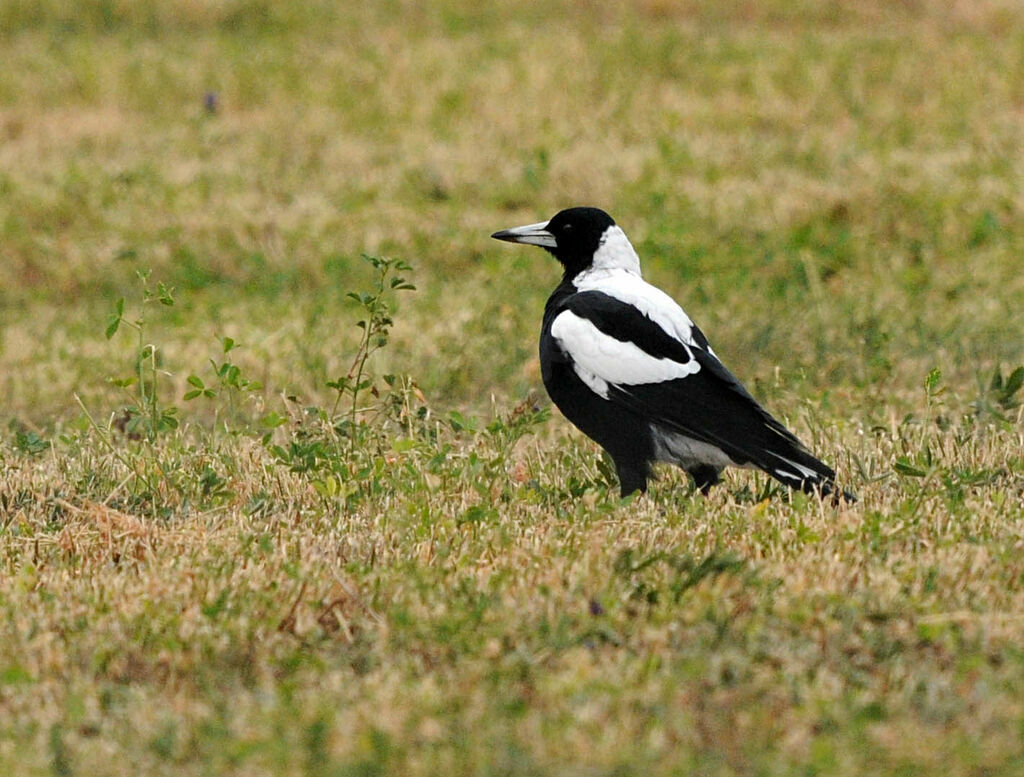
687 452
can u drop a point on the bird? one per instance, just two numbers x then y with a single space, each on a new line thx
629 368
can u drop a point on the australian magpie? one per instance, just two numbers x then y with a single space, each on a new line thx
629 368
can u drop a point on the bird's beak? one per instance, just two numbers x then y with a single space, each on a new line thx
531 234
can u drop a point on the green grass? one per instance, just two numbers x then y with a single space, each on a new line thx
444 581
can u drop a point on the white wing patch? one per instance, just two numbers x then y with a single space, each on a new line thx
630 288
599 359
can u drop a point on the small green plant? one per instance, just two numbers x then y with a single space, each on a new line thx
486 467
682 572
1002 395
933 388
144 416
345 450
229 380
376 324
919 462
27 442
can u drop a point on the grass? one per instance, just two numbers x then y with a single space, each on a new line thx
432 572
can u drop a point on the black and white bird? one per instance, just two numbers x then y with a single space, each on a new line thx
628 367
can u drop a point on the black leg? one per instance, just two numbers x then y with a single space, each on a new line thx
632 480
828 489
704 477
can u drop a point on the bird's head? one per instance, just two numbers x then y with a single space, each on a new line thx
580 238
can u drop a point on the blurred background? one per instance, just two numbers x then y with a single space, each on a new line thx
831 189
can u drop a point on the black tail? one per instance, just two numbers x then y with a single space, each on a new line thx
793 466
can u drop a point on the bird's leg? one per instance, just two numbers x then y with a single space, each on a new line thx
704 477
828 489
631 480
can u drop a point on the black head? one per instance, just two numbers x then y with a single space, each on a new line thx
572 235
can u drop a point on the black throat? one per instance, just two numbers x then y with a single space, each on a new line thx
562 292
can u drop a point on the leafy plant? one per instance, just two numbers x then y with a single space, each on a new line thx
230 382
145 416
347 453
376 322
1001 396
28 442
487 466
684 572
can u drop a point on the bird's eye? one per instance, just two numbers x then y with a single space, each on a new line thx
567 227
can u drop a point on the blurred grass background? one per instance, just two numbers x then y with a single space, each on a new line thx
831 189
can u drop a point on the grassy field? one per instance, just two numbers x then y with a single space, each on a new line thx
220 554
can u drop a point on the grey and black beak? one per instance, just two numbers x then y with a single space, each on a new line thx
531 234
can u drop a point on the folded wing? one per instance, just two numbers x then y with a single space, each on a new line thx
678 385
